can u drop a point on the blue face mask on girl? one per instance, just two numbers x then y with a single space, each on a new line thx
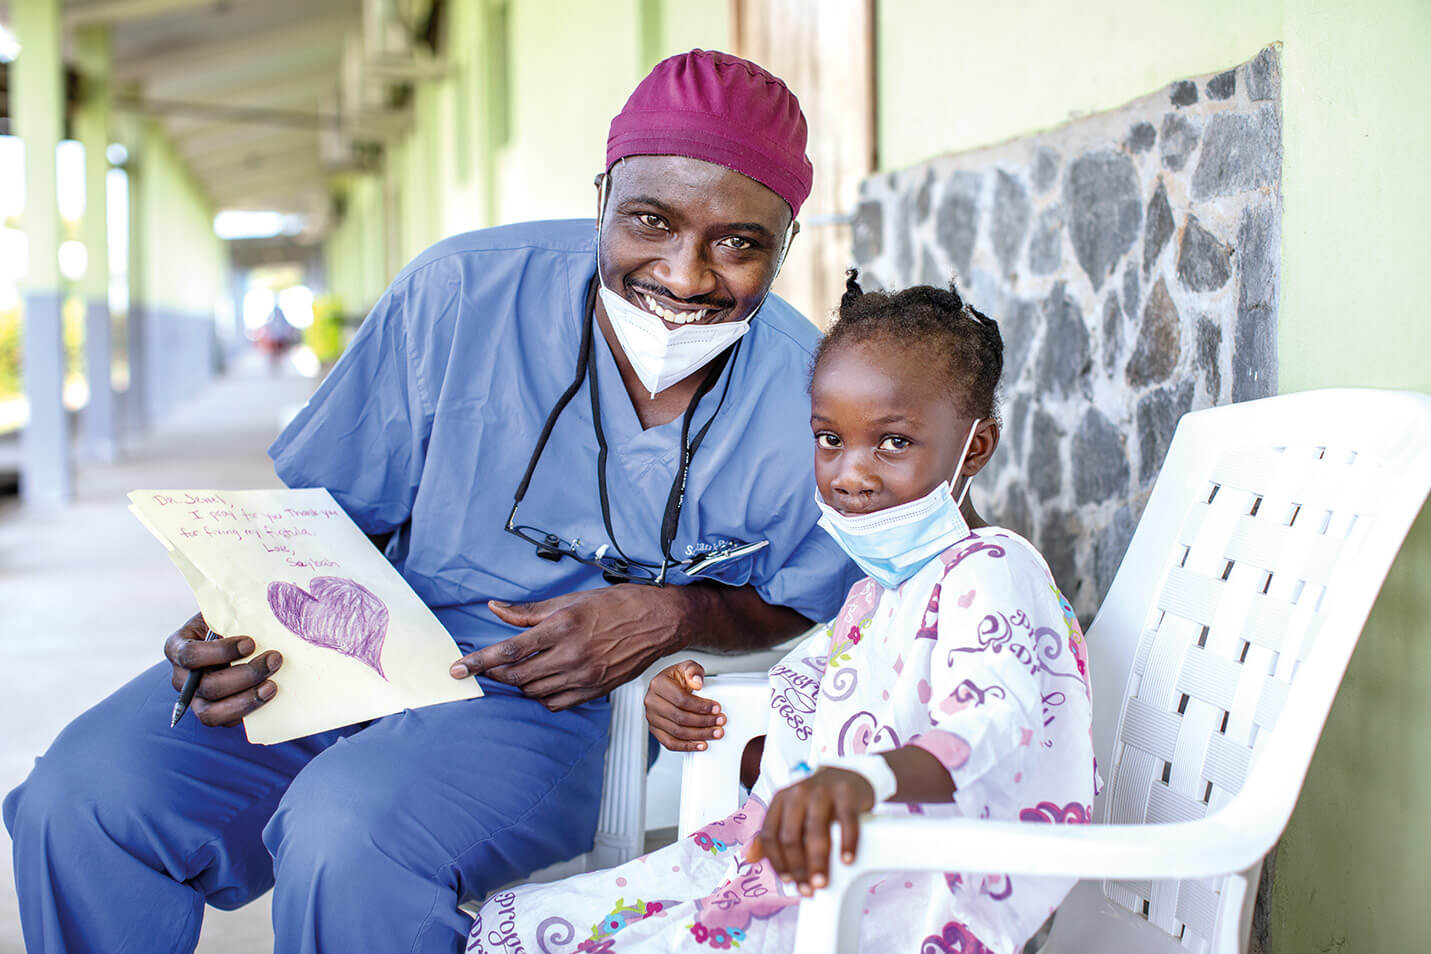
891 545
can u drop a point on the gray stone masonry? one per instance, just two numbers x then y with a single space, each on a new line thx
1132 261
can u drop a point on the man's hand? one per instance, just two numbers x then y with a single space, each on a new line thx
796 834
232 689
582 645
681 720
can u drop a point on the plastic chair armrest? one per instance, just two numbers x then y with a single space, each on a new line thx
1210 847
710 780
1205 848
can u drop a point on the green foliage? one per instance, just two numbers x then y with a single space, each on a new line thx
9 353
326 336
12 344
72 333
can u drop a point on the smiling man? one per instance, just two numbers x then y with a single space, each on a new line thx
582 443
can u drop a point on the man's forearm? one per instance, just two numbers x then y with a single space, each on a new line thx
735 619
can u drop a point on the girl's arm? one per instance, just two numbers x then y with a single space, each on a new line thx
750 761
921 777
796 835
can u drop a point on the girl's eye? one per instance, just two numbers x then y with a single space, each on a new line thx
894 442
827 440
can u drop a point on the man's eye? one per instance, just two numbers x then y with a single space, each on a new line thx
651 220
894 442
827 440
738 243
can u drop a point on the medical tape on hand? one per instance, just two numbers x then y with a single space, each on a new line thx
872 768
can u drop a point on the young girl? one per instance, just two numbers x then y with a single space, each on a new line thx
953 682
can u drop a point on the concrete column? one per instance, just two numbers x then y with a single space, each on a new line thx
136 405
164 362
92 128
239 340
37 112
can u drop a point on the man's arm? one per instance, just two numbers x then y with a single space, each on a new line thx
736 620
583 645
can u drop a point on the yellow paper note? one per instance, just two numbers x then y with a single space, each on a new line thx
291 570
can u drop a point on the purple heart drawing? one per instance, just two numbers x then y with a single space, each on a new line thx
339 614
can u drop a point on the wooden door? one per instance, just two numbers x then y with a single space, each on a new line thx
824 50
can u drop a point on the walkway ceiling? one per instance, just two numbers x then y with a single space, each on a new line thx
266 100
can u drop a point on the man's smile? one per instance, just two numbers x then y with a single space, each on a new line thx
670 311
669 314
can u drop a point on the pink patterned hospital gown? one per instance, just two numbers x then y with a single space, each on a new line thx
977 658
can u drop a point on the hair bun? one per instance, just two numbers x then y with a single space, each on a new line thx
852 287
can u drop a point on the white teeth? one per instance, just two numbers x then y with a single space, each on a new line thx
675 317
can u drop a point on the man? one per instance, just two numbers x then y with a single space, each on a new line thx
546 426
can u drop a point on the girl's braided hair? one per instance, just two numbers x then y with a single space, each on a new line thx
936 319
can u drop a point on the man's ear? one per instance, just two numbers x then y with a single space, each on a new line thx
600 178
981 448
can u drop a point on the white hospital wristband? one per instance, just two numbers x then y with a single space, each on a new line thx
873 769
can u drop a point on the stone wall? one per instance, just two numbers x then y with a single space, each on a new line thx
1132 261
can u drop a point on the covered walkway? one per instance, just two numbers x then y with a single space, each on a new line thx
89 595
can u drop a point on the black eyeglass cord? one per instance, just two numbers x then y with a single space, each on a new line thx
565 398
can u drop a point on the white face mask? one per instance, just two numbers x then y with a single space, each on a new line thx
662 356
659 356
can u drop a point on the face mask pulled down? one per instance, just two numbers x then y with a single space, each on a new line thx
662 356
891 545
659 356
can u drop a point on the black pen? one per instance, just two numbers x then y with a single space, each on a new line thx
191 686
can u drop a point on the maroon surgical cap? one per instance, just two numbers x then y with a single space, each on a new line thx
722 109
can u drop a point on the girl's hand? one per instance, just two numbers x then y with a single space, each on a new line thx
796 835
681 720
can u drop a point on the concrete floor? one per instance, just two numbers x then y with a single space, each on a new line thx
87 595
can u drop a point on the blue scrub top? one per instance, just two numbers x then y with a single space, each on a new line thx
425 426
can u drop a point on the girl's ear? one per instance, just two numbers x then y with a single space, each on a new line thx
981 448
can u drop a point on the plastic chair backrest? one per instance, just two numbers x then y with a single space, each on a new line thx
1235 612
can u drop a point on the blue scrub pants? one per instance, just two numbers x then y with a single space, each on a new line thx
370 835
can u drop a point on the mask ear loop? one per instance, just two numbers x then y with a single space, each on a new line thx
964 492
603 192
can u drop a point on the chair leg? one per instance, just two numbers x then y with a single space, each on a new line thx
622 821
1234 916
829 922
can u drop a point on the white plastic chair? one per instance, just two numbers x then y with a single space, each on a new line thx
1227 629
621 823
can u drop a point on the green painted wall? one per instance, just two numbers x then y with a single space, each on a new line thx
185 264
1357 194
355 255
1358 850
490 144
955 74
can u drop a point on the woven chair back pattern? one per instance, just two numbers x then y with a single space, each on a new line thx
1250 578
